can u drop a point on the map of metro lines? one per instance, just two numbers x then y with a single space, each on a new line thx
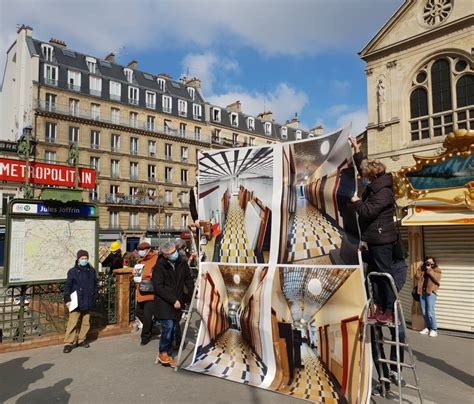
44 249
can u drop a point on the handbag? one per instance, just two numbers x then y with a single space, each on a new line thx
146 286
415 295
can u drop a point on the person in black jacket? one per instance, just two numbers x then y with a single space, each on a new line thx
378 228
82 280
170 277
114 260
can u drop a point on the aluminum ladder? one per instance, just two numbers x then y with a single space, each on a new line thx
377 328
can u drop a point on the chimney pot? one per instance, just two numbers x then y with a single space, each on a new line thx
194 82
317 130
235 107
266 116
133 64
57 42
110 57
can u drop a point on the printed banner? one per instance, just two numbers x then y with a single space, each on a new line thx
281 292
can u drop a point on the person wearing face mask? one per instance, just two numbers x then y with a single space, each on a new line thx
145 301
114 260
428 277
171 276
81 279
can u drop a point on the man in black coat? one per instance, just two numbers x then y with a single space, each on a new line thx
170 277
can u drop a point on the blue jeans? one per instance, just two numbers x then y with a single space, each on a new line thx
427 304
167 336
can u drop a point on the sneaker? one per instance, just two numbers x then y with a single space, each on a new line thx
386 317
377 390
433 333
166 360
424 331
83 344
393 375
67 348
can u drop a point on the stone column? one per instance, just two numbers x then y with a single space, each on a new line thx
123 276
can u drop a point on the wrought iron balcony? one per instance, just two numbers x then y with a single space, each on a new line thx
51 82
74 87
120 199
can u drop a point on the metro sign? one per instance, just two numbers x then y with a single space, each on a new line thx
45 174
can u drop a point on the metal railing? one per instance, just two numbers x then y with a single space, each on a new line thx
132 200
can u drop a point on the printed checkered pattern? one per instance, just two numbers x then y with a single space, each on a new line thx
311 234
234 244
231 358
312 381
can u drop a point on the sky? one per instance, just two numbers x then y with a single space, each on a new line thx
287 56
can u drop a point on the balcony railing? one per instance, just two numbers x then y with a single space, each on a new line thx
51 82
133 101
151 105
95 146
62 109
50 139
133 152
74 87
50 106
120 199
167 110
115 149
97 93
134 177
115 97
151 178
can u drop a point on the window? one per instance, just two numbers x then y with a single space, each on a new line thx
73 107
168 128
50 102
133 119
167 104
51 75
94 194
284 132
151 172
128 74
268 128
168 196
150 100
161 84
115 116
151 221
235 138
73 135
168 221
151 192
168 151
150 122
115 142
182 108
197 111
192 92
114 220
48 52
216 114
298 135
184 177
133 95
115 89
91 65
134 170
95 139
95 112
251 141
441 98
151 148
115 168
234 119
114 189
50 157
197 133
216 137
134 146
184 199
95 163
168 174
251 123
74 80
95 86
133 223
184 154
184 221
182 129
50 132
133 191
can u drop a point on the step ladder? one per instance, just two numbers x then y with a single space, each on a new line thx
377 329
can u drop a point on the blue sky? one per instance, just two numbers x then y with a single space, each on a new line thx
294 56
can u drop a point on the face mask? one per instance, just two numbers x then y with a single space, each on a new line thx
83 262
174 256
142 253
365 181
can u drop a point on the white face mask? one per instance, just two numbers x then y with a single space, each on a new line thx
142 253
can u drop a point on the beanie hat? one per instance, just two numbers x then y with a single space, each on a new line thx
82 253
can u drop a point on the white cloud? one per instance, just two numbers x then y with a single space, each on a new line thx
358 118
284 101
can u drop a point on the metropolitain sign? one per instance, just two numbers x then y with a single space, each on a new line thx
45 174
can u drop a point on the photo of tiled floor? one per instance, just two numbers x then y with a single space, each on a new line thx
231 358
311 234
234 243
312 381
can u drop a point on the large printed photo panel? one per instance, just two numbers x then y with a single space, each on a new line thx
235 204
317 326
318 224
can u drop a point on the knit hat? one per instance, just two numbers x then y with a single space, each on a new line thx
82 253
144 246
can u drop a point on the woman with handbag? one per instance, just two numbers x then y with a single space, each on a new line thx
144 289
428 277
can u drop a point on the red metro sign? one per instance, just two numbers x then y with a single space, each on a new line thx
45 174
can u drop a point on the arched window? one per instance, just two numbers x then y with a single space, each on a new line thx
442 98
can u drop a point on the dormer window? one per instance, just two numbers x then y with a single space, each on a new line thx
299 135
128 74
216 114
91 65
161 84
268 128
251 123
192 92
182 108
48 52
133 95
234 119
284 132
